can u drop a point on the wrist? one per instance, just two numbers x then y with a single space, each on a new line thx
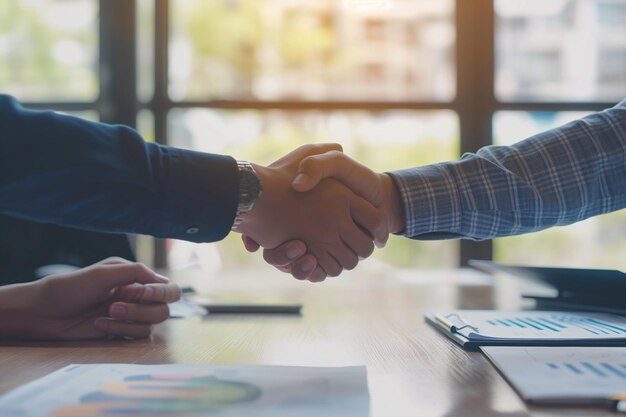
394 205
247 223
250 190
17 304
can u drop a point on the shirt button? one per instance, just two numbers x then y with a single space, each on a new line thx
192 230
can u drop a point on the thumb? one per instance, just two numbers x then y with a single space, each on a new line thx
359 178
307 150
109 276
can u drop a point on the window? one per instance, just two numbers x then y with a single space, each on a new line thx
292 73
569 50
597 241
398 82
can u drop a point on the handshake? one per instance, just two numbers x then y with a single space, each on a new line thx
321 212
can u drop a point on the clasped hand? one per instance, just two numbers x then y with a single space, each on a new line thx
321 212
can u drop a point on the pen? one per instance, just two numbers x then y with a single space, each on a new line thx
253 308
619 400
445 322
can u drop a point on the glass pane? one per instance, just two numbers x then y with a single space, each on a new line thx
384 141
48 49
145 125
312 50
570 50
597 242
145 50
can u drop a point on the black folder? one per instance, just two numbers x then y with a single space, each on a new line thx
599 290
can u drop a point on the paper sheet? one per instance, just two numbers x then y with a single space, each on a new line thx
122 390
562 375
547 325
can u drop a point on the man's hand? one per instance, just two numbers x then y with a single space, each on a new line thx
337 225
378 189
114 297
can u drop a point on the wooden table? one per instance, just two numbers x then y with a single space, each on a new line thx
372 316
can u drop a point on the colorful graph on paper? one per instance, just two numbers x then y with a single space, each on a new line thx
191 390
548 325
568 374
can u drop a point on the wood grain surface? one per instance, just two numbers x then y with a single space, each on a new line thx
368 317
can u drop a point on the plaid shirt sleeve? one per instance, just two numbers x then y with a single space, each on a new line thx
555 178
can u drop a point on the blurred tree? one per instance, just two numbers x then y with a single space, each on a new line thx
29 67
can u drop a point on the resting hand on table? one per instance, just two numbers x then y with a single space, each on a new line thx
114 297
377 189
337 225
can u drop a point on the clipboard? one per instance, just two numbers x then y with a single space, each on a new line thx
528 328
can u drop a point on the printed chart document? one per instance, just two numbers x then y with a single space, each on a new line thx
474 328
122 390
563 375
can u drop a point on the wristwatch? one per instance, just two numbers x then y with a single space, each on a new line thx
250 190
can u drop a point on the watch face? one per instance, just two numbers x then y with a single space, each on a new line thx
250 187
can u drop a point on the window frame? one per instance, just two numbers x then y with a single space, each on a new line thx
475 102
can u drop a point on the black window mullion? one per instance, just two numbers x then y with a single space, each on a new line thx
160 102
118 98
553 106
475 100
313 105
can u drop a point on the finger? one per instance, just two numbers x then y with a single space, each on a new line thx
304 267
346 258
249 243
140 313
113 260
329 264
122 328
285 253
337 165
358 241
318 275
149 293
308 150
116 260
369 218
109 276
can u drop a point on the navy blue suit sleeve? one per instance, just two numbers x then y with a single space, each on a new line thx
68 171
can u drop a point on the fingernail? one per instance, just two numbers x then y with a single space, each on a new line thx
162 278
101 323
308 265
379 244
117 311
300 179
294 251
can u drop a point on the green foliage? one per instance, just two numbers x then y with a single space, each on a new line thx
27 64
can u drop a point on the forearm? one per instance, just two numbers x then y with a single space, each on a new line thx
68 171
16 302
555 178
